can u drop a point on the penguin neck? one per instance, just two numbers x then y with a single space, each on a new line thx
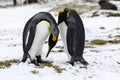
47 23
66 22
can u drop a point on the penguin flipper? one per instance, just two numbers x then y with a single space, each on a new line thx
31 37
26 39
70 43
25 34
70 40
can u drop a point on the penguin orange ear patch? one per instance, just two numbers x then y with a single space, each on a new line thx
61 11
54 37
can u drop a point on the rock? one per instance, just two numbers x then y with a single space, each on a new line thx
105 4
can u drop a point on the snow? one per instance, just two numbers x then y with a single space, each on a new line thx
103 59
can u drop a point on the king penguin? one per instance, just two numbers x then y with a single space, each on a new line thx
73 35
36 31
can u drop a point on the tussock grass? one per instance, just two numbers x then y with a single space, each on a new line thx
58 69
106 13
87 46
95 14
55 51
34 72
98 42
117 28
113 14
117 36
80 8
6 6
103 42
61 50
60 47
7 63
85 67
114 41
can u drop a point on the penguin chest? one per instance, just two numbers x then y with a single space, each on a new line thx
63 33
41 34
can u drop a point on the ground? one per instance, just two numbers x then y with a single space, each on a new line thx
103 59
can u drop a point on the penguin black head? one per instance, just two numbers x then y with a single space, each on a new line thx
62 15
51 43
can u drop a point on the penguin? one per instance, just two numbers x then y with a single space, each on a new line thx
73 35
36 31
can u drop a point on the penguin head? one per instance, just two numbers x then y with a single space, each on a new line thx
51 43
62 15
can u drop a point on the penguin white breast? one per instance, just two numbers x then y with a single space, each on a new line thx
63 33
41 34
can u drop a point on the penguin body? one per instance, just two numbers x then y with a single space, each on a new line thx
36 31
41 34
75 34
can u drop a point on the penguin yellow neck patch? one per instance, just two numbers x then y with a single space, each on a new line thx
68 14
46 22
54 37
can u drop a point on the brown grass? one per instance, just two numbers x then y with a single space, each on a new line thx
7 63
58 69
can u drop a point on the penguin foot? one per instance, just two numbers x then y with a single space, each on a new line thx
35 62
39 59
83 61
72 63
80 59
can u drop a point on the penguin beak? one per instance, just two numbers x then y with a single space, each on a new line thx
49 49
52 42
